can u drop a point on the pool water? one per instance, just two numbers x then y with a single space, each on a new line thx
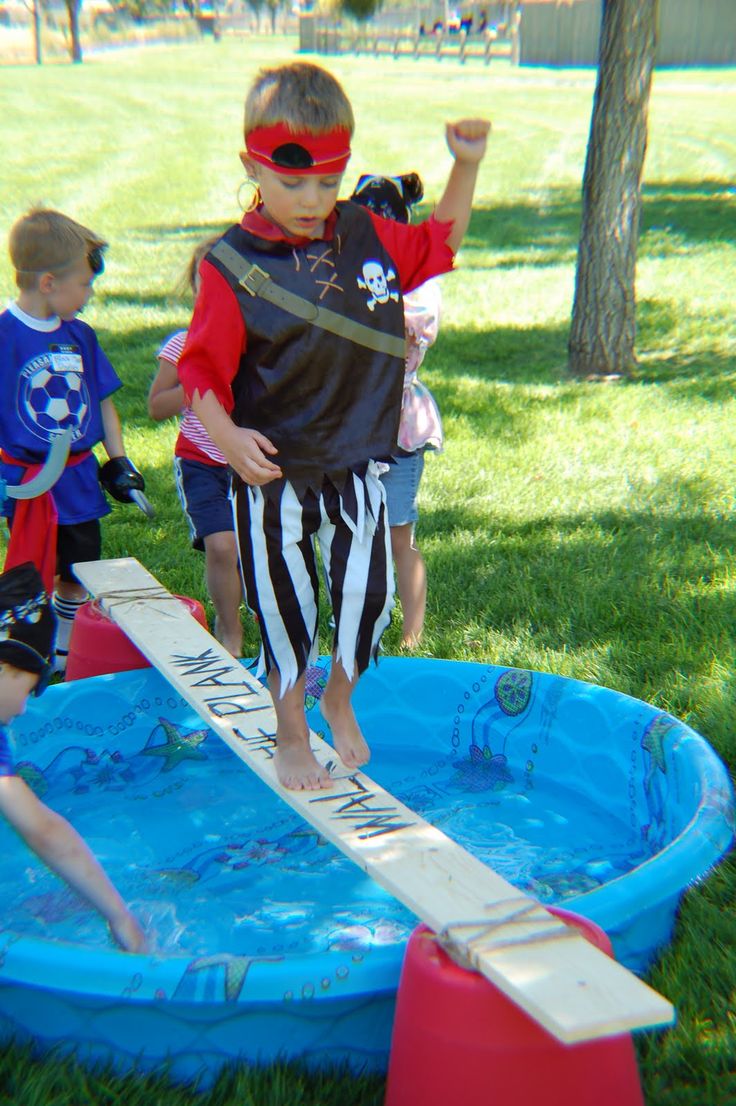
211 861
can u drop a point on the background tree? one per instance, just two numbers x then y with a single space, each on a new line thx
274 7
140 10
35 7
603 332
362 10
73 8
256 6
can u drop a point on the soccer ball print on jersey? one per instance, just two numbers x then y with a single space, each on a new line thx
52 401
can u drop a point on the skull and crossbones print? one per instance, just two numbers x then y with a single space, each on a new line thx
376 281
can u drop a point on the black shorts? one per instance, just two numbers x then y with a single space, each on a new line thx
78 541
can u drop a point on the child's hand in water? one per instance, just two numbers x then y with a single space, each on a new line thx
128 933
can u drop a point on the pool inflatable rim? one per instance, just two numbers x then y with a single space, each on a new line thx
107 973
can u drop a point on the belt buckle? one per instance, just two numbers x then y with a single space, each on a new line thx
254 280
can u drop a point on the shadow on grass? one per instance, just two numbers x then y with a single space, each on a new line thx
534 233
544 230
184 232
518 355
693 211
537 355
466 366
646 586
169 301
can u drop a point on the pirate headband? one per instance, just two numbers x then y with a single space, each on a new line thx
295 153
95 260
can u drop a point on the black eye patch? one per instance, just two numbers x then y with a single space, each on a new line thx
292 156
96 260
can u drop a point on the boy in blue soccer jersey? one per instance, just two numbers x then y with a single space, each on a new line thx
54 376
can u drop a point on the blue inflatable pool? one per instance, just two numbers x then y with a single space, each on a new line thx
267 942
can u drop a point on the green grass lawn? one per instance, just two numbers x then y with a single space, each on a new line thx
580 528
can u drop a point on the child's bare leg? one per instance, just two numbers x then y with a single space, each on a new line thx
411 582
296 766
337 711
225 589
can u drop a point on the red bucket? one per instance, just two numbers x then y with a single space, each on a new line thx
457 1038
97 645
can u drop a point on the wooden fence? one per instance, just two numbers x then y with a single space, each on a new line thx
690 32
458 46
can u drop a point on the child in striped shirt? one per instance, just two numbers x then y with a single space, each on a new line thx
203 483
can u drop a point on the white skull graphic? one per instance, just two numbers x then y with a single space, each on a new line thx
376 281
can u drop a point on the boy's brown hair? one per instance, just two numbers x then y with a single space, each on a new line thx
46 241
303 95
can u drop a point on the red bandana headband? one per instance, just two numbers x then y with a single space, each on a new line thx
295 153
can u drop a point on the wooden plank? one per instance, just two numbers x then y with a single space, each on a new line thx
559 978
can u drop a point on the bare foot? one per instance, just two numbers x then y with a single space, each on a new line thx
297 768
128 933
346 733
233 642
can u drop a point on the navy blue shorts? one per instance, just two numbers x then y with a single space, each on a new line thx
204 492
77 541
402 484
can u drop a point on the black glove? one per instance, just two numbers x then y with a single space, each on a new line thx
119 477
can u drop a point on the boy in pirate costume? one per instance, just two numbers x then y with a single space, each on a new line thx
294 363
27 629
54 376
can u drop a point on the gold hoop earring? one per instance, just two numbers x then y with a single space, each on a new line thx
255 197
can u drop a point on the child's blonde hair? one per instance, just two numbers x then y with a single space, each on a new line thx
46 241
303 95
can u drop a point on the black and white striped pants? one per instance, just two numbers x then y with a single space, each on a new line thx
276 532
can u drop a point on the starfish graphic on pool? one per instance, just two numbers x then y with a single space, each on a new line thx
179 745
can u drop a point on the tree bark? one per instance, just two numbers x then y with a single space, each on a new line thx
603 331
37 28
75 44
34 8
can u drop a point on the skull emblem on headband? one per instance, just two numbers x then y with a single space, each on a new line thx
376 281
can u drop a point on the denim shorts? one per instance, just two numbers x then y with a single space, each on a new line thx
402 484
204 492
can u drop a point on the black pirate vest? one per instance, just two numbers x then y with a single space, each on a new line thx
326 401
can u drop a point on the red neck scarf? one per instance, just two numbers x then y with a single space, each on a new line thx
34 526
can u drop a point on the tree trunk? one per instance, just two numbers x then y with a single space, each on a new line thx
37 26
603 332
75 46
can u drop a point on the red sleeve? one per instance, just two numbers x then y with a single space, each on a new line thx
419 251
216 340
